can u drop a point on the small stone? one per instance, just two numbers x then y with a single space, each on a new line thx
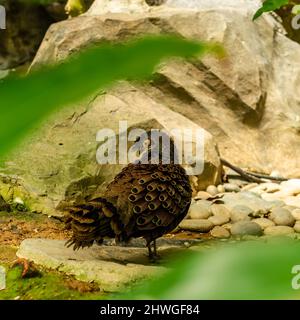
219 220
240 213
202 195
249 186
270 187
296 214
227 226
264 222
270 197
220 209
278 230
291 187
221 214
282 217
201 225
293 201
220 233
220 188
231 187
275 204
246 228
212 190
199 210
297 226
275 174
18 201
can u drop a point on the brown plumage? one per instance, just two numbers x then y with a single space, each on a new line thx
143 200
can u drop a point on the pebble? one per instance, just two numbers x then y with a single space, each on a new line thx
240 213
231 187
220 188
199 210
292 186
201 225
242 228
270 187
282 217
220 209
202 195
293 201
278 230
296 214
219 219
297 226
264 222
220 233
227 226
249 186
212 190
221 214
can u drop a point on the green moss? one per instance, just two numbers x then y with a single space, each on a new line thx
45 286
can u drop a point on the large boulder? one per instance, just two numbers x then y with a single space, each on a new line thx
249 102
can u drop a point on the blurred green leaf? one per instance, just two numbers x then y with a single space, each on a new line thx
25 101
296 9
249 270
270 5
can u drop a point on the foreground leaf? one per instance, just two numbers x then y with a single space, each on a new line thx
270 5
250 270
25 101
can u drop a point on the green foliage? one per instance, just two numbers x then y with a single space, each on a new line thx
25 101
46 286
270 5
249 270
296 9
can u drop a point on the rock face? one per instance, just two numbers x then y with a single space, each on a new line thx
113 268
242 101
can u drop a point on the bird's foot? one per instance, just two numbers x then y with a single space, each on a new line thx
25 264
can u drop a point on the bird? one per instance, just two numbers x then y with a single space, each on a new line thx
144 200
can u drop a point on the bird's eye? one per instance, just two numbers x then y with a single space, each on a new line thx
137 139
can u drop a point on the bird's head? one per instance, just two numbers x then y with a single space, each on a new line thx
155 146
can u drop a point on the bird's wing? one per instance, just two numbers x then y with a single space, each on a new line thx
150 198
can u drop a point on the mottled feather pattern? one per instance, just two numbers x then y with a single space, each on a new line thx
143 200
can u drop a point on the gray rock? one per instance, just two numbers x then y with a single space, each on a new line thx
212 190
200 210
282 217
246 228
114 268
220 233
297 226
240 213
257 91
264 222
278 230
231 187
221 214
201 225
219 219
220 209
248 199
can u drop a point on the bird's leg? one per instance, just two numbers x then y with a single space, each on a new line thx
152 253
